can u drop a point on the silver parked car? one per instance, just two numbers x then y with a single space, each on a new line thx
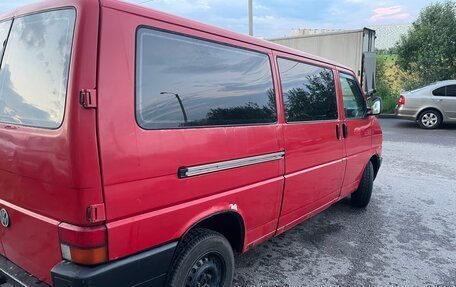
430 106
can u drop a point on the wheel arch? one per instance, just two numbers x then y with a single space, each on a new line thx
427 108
229 223
376 162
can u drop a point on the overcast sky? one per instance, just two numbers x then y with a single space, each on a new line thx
276 18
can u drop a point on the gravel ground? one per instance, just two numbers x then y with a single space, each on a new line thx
406 236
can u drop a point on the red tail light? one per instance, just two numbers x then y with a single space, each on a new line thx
83 245
401 100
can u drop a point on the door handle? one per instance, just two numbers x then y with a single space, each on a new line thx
345 130
338 132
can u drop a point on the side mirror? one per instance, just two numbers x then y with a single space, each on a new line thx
376 107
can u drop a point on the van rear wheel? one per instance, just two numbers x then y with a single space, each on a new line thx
361 197
204 259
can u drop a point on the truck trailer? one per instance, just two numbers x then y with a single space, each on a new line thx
354 49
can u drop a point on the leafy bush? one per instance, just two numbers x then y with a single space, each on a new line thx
389 97
388 83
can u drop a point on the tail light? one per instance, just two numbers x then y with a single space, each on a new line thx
83 245
401 100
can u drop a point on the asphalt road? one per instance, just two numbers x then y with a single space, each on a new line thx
406 236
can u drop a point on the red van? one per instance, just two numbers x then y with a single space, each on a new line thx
142 149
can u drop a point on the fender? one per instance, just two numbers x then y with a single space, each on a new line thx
207 214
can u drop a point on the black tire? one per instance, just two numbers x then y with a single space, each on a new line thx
203 256
362 196
430 119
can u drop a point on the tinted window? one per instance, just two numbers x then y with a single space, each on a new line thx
440 92
34 71
451 91
188 82
354 103
446 91
309 92
4 30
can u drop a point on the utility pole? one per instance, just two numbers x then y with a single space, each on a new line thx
250 18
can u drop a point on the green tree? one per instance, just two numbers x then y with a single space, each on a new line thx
387 79
428 50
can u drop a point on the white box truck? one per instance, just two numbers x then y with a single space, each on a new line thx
354 49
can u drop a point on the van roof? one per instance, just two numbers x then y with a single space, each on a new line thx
162 16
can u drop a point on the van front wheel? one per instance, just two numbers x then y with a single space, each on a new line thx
204 258
362 196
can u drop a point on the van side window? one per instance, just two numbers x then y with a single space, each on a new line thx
187 82
355 105
309 92
34 70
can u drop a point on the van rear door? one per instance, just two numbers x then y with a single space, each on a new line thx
49 171
4 31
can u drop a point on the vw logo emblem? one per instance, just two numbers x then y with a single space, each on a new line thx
4 218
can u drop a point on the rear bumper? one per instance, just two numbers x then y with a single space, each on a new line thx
14 275
147 269
403 113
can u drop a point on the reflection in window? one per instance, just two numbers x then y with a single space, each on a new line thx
354 103
188 82
4 30
34 71
308 91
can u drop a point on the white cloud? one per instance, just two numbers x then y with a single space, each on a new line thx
389 13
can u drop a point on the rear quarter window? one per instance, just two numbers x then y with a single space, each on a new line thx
185 82
440 92
34 69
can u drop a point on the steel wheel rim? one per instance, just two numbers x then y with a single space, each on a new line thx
208 271
429 119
